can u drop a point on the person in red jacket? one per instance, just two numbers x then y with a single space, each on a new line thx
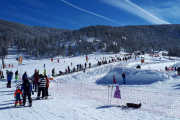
114 80
17 94
36 77
47 86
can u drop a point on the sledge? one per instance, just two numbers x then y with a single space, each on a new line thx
133 105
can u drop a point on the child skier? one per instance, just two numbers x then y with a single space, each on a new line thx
114 81
17 94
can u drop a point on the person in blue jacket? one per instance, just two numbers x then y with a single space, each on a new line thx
24 76
9 78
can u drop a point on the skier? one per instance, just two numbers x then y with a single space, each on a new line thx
124 78
36 77
71 63
42 86
47 86
77 66
24 76
16 75
44 71
0 75
27 89
167 68
89 65
44 65
53 72
17 95
68 69
85 65
114 80
9 78
80 66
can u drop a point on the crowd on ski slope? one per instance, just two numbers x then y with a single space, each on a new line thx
40 82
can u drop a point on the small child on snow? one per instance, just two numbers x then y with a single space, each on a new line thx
17 95
114 81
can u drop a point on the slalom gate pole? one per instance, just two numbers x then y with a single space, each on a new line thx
117 101
111 93
81 90
57 85
108 94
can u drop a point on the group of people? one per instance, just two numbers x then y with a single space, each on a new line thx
67 70
40 83
123 76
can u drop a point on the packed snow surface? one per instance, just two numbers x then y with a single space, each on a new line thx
89 95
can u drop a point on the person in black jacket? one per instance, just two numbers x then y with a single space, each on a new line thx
124 78
27 89
53 70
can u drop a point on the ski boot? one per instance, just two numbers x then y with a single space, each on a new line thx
30 104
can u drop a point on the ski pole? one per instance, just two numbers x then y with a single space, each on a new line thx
108 94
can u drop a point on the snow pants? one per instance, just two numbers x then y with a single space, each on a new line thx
36 86
124 80
29 98
43 91
9 84
18 98
114 81
16 77
46 91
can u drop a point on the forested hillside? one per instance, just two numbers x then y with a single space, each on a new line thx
43 41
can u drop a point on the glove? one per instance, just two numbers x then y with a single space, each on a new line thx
32 93
14 96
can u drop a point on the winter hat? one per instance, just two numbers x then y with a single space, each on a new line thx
18 87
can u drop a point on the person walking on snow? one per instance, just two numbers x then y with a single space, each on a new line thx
17 95
27 89
124 78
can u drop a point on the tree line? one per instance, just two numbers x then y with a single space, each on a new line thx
43 41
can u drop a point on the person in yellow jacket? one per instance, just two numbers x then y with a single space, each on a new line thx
44 71
17 95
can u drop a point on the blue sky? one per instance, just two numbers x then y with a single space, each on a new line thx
75 14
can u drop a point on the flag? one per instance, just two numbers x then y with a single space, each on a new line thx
117 93
20 60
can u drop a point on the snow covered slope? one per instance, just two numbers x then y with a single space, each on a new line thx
86 96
